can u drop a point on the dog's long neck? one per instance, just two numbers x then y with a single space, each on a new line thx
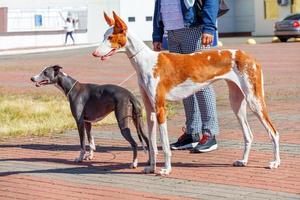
140 55
65 83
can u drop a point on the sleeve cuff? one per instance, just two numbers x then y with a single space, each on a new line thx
209 30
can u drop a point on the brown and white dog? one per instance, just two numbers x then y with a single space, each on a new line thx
174 76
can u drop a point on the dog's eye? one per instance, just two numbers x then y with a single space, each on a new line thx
110 37
45 73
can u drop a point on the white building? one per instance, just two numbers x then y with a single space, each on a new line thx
32 23
255 17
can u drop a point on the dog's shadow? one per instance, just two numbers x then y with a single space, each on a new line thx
88 167
109 168
64 147
94 166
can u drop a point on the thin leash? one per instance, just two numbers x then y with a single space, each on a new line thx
127 79
131 75
120 84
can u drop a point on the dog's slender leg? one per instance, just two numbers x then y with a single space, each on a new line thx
239 107
166 148
263 116
88 128
138 122
121 112
82 154
151 122
127 135
162 120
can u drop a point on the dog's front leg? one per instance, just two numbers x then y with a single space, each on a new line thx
88 128
152 126
81 129
166 148
151 122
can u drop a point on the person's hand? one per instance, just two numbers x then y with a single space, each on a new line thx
207 39
157 46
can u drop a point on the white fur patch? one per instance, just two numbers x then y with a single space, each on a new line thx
184 90
251 99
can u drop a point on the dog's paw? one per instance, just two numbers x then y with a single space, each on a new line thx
134 164
88 156
81 157
165 171
240 163
148 170
274 164
78 160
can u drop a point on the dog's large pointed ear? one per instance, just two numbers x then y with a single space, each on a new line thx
109 21
119 22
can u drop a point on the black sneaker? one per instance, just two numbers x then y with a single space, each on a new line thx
185 141
206 144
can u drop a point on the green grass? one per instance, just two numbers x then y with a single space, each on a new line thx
37 115
22 115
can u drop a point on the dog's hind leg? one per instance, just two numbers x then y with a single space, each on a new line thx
258 107
273 135
239 106
88 128
138 122
255 99
122 115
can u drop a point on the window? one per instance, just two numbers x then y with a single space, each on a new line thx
148 18
38 20
131 19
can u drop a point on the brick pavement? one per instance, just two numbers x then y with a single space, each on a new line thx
43 167
28 163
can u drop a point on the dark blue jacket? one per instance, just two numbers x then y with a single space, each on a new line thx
207 20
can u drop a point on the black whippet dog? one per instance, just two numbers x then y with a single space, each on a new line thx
90 103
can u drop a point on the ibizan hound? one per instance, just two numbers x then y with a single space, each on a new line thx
173 76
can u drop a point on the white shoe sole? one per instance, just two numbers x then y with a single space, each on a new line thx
213 147
187 146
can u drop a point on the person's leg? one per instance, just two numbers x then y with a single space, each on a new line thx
200 108
71 35
187 41
210 128
66 38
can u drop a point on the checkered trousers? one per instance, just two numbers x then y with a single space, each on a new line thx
200 108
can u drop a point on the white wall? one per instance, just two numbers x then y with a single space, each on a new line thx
11 42
240 17
138 9
96 22
263 26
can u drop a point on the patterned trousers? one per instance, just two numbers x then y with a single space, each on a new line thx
200 108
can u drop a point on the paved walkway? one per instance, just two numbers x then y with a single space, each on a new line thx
43 167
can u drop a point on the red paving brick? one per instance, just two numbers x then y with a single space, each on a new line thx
20 186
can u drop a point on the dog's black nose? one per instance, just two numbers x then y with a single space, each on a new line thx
32 79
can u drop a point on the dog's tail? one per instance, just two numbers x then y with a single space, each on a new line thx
137 115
